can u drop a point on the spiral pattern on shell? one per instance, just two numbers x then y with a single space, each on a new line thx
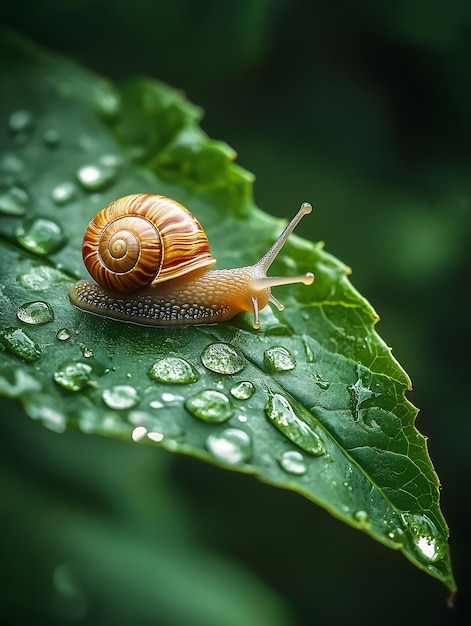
143 239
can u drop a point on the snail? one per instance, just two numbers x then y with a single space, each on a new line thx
151 259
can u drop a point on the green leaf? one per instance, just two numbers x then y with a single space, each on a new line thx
313 402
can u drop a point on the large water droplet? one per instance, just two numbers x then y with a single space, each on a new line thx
37 312
19 343
210 406
120 397
230 446
73 375
222 359
63 334
293 462
95 177
243 390
294 424
424 537
64 193
278 359
173 370
42 278
21 121
14 201
39 235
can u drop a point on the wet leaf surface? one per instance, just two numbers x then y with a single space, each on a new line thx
313 402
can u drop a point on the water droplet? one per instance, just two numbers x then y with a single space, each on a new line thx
210 406
17 382
139 433
243 390
396 535
278 359
230 446
120 397
360 393
109 104
64 193
19 343
173 370
86 351
310 358
14 201
41 408
293 462
37 312
222 359
63 334
39 235
73 375
96 177
322 384
51 137
21 121
156 404
362 518
424 537
171 397
294 424
42 277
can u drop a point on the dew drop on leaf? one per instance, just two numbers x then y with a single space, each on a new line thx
14 201
40 408
173 370
86 351
222 359
109 104
95 177
293 462
21 121
396 535
243 390
17 342
278 359
293 424
39 235
73 375
230 446
63 334
210 406
362 518
64 193
120 397
424 537
51 137
15 382
37 312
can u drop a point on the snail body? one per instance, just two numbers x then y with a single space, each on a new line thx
151 259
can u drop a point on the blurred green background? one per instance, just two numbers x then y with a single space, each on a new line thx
362 109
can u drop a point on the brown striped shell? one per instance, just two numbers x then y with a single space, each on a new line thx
143 239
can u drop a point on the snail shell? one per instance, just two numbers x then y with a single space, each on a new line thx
142 240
